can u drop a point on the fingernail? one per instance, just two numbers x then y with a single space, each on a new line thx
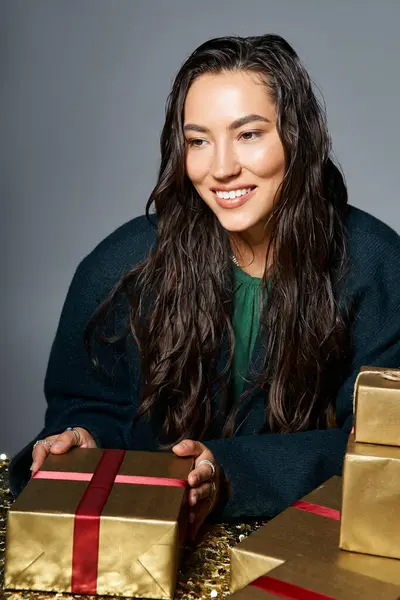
58 445
194 479
194 500
191 517
181 445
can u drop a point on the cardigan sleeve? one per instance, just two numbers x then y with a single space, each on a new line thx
268 472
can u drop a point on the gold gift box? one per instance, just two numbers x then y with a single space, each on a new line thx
296 533
377 406
305 578
140 535
371 500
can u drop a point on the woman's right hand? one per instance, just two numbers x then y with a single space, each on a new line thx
60 444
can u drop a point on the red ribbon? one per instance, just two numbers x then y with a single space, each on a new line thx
85 551
317 509
288 590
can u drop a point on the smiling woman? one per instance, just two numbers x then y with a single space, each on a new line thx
229 326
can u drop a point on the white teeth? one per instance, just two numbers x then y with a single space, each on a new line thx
233 194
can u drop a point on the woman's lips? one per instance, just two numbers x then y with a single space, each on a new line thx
234 202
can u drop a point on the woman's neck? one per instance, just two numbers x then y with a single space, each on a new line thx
250 250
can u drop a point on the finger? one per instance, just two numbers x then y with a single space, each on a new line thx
200 493
200 475
39 453
203 472
64 442
188 448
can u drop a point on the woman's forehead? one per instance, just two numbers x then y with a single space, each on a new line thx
225 97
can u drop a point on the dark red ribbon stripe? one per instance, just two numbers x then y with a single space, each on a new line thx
317 509
286 590
85 551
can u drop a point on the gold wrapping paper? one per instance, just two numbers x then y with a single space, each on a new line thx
377 406
205 568
371 500
140 528
323 578
296 533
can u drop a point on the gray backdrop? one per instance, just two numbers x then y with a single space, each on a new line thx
83 86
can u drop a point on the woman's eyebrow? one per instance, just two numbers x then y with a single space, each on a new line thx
234 125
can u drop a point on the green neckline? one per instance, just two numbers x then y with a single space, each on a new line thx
243 277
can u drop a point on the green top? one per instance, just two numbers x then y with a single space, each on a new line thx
246 319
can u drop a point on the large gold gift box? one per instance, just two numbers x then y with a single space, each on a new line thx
377 406
371 500
100 522
305 579
303 530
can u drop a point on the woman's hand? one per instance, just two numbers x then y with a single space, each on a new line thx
59 444
205 486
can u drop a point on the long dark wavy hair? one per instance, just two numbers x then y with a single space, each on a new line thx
180 297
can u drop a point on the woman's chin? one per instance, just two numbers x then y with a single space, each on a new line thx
236 223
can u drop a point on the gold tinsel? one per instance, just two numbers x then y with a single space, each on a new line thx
205 566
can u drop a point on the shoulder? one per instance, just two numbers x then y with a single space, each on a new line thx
370 239
116 254
372 284
120 251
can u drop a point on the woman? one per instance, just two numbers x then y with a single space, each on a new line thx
231 326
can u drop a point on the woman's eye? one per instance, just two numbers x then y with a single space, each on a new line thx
250 135
196 143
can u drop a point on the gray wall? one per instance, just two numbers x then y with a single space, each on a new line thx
83 86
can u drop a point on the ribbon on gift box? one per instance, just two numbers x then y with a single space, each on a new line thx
317 509
286 590
87 516
289 590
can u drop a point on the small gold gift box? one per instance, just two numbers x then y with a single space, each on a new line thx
371 500
100 522
377 406
312 579
311 529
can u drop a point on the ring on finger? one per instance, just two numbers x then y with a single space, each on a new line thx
45 442
77 435
209 463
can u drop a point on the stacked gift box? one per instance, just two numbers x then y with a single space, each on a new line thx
343 539
371 474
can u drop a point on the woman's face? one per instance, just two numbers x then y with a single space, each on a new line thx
233 149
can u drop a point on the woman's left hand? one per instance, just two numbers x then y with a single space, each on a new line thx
205 486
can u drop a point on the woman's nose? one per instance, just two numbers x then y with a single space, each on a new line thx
225 164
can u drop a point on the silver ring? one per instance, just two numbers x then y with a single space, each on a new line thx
77 435
207 462
45 442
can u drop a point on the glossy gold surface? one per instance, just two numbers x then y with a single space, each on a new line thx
371 500
205 566
377 406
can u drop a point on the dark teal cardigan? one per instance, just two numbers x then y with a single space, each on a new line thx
267 471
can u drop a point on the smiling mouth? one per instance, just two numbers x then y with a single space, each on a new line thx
234 194
233 201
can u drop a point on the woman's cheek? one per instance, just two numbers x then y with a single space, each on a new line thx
265 158
197 168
